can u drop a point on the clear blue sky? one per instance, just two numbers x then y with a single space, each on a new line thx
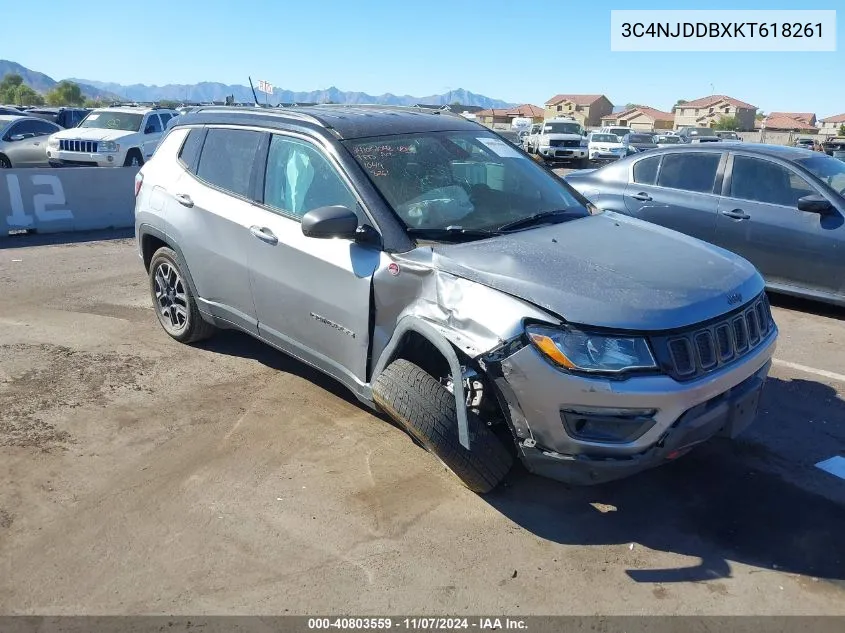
519 52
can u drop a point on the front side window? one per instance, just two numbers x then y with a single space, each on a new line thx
604 138
153 124
645 170
761 180
470 180
227 158
300 178
827 169
125 121
689 172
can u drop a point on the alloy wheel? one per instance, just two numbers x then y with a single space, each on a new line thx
171 299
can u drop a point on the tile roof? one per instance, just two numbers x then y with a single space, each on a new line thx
526 110
581 100
837 118
805 117
779 121
705 102
652 113
493 112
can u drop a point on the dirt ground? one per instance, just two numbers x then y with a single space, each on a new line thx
141 476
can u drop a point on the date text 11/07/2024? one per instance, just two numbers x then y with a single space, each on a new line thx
418 624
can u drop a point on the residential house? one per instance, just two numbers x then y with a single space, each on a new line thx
527 111
789 122
707 111
586 109
640 118
494 116
831 124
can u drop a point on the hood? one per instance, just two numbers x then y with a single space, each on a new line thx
560 136
607 270
92 134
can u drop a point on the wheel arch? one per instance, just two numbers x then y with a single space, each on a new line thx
151 239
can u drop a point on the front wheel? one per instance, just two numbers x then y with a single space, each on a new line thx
133 159
175 305
5 163
426 409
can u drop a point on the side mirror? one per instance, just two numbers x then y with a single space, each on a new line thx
814 204
17 137
328 222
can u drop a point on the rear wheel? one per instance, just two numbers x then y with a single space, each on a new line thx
426 409
174 304
5 163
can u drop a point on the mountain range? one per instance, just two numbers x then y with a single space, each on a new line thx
213 91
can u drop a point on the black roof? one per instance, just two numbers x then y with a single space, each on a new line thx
344 121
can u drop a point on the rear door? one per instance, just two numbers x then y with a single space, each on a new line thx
676 190
312 296
759 219
210 212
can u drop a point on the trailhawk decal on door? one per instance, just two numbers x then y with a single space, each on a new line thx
336 326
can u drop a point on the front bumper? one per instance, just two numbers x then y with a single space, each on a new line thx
62 158
683 413
606 154
563 153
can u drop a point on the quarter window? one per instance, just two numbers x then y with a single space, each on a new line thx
764 181
227 159
645 170
689 172
300 178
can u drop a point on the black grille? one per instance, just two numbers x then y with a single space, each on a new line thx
555 142
70 145
704 348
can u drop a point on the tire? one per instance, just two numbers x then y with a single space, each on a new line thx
5 163
173 301
426 409
133 159
583 163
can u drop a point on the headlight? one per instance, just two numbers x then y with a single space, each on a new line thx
589 352
53 142
107 146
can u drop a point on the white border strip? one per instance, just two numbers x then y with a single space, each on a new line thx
835 466
809 370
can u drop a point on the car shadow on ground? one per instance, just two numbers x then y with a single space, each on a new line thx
758 500
26 240
806 305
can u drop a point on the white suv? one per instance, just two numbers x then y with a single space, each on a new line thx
110 137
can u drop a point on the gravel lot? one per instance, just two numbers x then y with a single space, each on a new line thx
143 476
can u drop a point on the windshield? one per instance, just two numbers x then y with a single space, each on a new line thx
641 138
560 127
472 180
668 139
829 170
604 138
126 121
700 131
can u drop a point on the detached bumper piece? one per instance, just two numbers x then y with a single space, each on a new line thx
726 415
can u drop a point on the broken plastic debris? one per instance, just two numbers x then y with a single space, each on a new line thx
604 507
514 574
279 499
17 260
631 546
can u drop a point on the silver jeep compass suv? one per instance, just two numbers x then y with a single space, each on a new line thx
455 284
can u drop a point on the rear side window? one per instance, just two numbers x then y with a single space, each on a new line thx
191 148
689 172
227 159
645 170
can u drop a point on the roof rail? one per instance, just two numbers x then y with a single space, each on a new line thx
251 109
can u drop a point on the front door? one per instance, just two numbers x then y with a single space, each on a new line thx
759 219
312 296
152 135
675 190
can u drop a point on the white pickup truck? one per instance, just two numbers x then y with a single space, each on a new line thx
560 140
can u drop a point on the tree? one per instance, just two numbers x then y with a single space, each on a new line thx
93 103
24 95
727 123
842 130
65 93
760 116
631 106
9 86
679 102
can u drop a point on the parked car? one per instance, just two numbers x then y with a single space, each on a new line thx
561 140
726 135
806 143
667 140
23 141
782 208
511 136
698 135
639 142
64 117
530 139
834 145
110 137
453 283
604 147
10 111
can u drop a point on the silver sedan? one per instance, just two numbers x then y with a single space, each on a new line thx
23 141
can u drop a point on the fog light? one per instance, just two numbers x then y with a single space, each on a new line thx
607 425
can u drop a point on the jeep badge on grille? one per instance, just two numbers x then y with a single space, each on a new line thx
734 298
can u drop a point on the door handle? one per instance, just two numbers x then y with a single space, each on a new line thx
642 197
184 199
264 234
737 214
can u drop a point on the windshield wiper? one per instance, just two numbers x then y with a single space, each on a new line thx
537 218
450 232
